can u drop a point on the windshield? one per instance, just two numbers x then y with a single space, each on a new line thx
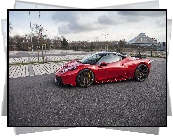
91 59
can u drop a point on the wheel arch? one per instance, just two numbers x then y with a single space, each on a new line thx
140 64
83 69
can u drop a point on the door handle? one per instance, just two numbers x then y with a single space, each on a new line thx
102 69
124 65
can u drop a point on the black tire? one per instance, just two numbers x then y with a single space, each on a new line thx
85 78
141 72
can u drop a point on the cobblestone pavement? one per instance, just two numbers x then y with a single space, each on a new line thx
18 60
46 68
16 71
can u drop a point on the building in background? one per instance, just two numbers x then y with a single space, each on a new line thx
161 46
143 40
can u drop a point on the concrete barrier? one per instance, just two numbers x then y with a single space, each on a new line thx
58 52
13 52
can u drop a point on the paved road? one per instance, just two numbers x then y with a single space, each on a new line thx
25 54
37 101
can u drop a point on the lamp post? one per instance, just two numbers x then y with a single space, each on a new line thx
139 51
42 54
105 40
45 49
38 50
31 43
151 51
144 50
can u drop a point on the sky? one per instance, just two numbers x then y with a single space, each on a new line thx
92 25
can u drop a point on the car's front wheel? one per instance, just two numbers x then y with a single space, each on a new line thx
85 78
141 72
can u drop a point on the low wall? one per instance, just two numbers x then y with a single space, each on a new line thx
13 52
54 51
148 53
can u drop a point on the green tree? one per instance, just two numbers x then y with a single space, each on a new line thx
91 47
122 43
119 49
64 44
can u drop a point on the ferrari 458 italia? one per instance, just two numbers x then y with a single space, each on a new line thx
102 67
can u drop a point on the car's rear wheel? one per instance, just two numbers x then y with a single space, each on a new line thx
141 72
85 78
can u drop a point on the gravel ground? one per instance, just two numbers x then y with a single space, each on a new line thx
37 101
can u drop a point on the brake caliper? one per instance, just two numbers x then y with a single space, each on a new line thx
89 76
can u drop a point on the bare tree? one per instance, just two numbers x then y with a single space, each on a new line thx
10 27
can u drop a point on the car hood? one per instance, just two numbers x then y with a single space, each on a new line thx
73 63
70 65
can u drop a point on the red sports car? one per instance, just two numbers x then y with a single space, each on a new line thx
103 67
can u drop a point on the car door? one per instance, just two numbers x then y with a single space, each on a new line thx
123 68
115 67
110 70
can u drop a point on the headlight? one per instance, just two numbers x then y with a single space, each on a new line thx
72 68
67 69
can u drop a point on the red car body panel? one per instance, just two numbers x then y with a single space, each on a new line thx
117 71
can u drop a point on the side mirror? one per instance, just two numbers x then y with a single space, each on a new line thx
103 64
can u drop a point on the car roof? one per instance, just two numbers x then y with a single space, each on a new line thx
105 53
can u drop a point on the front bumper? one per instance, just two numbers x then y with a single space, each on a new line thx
65 80
58 80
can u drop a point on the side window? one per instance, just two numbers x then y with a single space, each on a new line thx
117 58
110 58
104 59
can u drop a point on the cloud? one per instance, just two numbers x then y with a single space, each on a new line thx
134 19
76 27
138 16
18 31
142 13
118 19
77 22
74 22
72 27
161 22
66 16
63 29
105 20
